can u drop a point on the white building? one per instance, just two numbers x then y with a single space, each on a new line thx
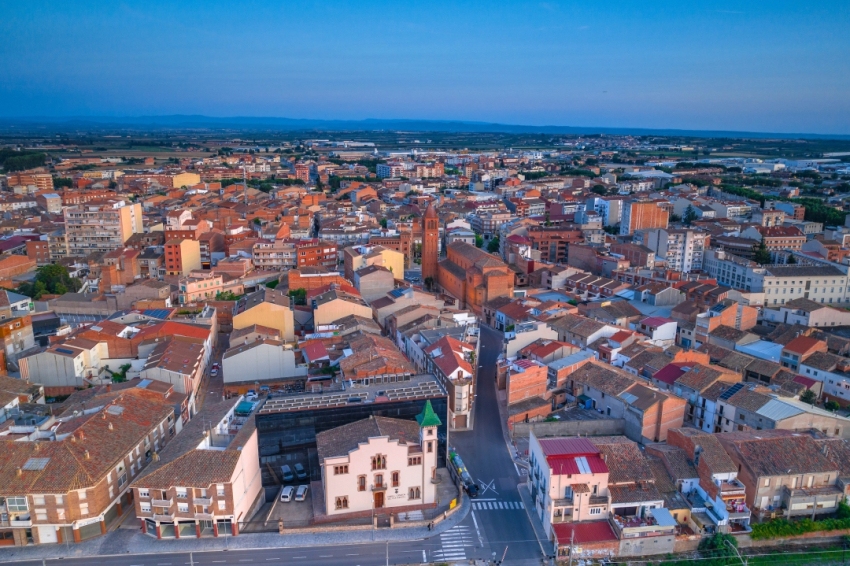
683 250
379 463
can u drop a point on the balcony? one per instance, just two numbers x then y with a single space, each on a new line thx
204 516
379 487
202 501
161 502
638 527
163 518
21 521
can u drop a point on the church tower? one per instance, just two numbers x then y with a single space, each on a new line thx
430 241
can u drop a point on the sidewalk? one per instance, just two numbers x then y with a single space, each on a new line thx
132 541
545 544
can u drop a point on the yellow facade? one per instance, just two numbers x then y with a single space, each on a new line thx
270 315
185 180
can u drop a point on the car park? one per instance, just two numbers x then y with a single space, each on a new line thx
300 472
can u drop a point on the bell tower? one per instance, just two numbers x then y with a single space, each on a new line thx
430 243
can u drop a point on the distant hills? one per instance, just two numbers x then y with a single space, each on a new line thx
180 121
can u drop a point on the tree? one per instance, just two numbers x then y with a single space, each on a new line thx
383 222
792 260
50 279
429 283
761 254
479 241
689 216
675 218
808 397
599 189
831 406
493 245
298 296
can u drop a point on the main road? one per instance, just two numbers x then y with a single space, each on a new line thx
497 524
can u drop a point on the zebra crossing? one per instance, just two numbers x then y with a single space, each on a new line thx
495 505
452 543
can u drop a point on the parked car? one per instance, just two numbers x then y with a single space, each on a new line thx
300 472
216 365
213 372
301 494
286 494
286 472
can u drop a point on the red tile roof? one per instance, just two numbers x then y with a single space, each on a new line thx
170 328
801 344
656 321
669 373
583 533
314 350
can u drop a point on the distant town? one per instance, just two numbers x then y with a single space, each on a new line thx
422 347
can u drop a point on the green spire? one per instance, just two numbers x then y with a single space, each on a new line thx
428 417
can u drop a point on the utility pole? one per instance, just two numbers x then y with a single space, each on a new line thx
572 539
388 552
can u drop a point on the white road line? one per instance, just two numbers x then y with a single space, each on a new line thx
516 468
352 555
326 556
475 522
299 557
487 499
521 506
424 558
272 558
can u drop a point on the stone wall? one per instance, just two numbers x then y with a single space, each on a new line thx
599 427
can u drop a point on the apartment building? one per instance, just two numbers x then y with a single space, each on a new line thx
682 249
101 226
205 484
66 478
642 215
487 223
182 256
357 257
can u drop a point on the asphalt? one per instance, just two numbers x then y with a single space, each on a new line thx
499 521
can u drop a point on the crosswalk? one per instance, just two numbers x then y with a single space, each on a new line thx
496 505
453 543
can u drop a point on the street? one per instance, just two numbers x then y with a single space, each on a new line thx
497 513
496 525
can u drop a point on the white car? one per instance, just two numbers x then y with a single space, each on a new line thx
301 494
286 494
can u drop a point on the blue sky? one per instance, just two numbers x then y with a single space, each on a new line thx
761 66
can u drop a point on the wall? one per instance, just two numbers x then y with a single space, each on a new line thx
260 363
270 315
600 427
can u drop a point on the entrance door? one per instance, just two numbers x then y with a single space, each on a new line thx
379 499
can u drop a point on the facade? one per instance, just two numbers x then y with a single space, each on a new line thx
642 215
207 490
101 227
379 463
268 307
182 256
358 257
473 276
682 249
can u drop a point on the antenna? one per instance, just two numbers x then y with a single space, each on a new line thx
245 182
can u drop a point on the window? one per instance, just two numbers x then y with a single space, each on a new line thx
81 494
144 493
221 505
41 515
379 462
38 500
59 500
342 502
339 470
596 510
414 493
122 479
379 480
414 461
60 514
183 507
766 482
395 477
84 508
181 493
361 483
17 503
430 447
219 489
145 507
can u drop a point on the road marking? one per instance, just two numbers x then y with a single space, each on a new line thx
299 557
352 555
272 558
246 560
475 522
326 556
424 558
516 468
486 499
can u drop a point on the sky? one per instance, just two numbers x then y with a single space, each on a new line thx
772 66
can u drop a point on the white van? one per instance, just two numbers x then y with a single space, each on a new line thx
286 494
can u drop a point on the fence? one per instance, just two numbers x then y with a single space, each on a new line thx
597 427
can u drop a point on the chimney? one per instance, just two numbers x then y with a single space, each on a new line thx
19 472
109 426
156 457
108 387
86 455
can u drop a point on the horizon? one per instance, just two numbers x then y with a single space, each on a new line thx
776 67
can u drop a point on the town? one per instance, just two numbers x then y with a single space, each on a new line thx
595 347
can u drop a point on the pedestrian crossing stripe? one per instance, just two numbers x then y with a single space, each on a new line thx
497 505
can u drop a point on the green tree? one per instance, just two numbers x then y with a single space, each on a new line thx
808 396
831 406
479 241
689 216
50 279
383 222
761 254
599 190
792 260
493 245
298 296
429 283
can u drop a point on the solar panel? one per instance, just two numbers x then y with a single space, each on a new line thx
731 391
115 409
35 464
64 351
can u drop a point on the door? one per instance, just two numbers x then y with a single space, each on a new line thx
47 535
379 499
